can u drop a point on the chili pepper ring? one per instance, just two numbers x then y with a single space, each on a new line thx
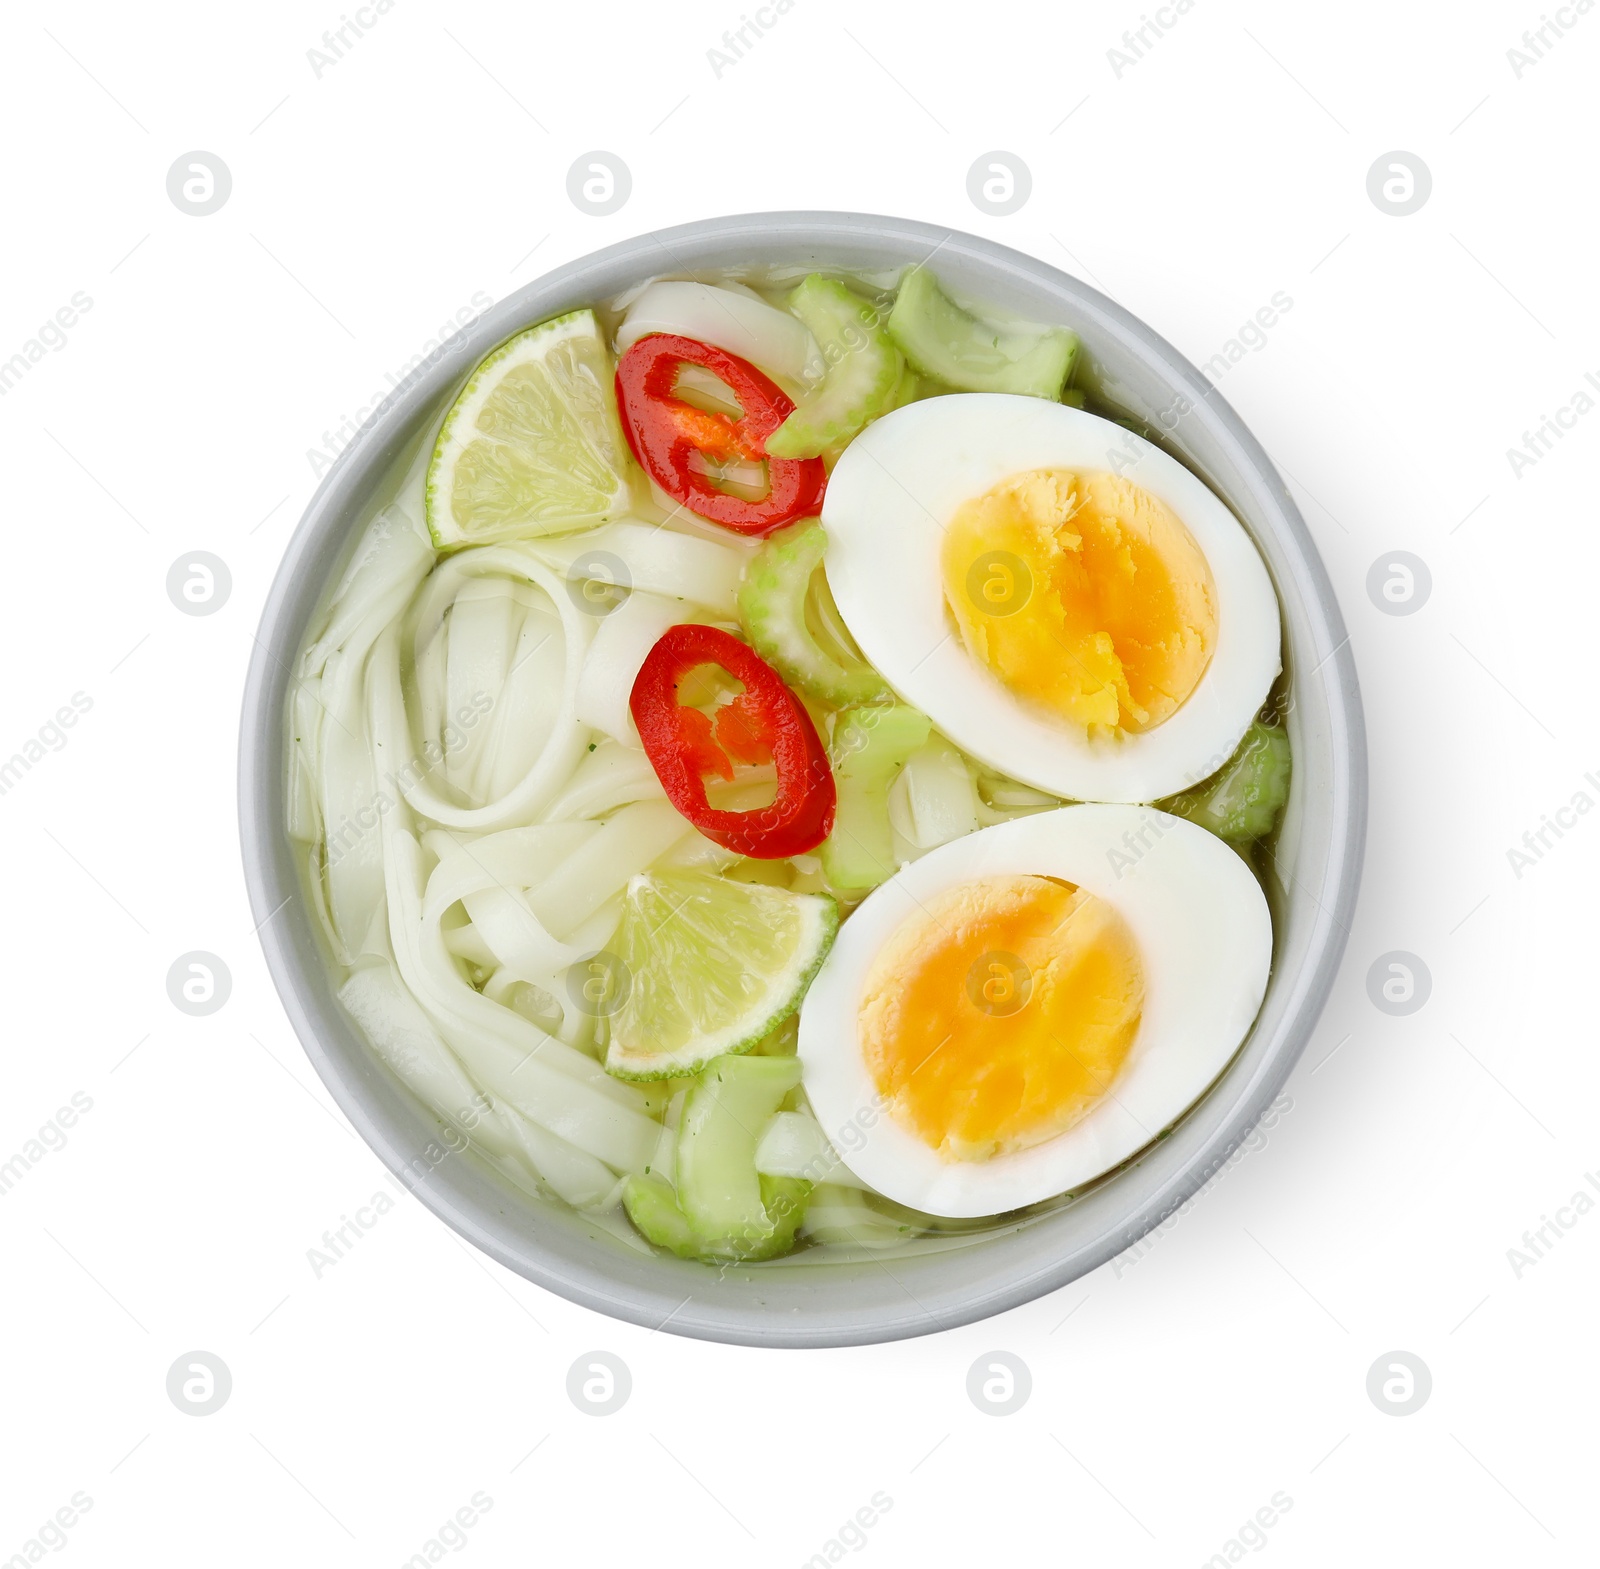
765 720
665 433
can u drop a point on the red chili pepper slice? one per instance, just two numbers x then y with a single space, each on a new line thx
666 433
765 722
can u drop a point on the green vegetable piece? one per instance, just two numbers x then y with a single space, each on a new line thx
772 610
1244 798
861 376
870 746
786 1199
909 388
720 1192
942 340
653 1208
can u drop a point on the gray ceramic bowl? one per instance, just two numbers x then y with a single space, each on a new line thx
838 1303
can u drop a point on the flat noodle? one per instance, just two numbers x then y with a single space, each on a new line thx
517 938
512 858
393 556
548 1082
405 1038
484 624
520 722
563 746
611 667
610 776
336 795
628 841
352 808
466 942
305 760
659 560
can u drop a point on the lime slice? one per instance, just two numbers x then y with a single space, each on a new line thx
532 445
712 966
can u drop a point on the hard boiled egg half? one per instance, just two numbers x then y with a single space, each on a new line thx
1024 1008
1067 603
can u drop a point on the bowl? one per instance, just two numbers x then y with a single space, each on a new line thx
836 1303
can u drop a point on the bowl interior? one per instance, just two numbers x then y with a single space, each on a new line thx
805 1302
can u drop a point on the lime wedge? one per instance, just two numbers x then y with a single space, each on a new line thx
712 967
532 445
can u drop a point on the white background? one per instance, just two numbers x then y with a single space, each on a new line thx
1171 1398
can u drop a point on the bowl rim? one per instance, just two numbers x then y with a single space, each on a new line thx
263 734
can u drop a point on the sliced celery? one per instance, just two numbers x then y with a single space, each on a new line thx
719 1189
786 1200
862 370
653 1207
870 746
940 339
722 1209
910 388
1243 799
772 610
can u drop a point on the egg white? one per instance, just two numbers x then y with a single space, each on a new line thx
1204 937
891 496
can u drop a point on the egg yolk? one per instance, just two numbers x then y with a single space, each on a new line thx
1000 1013
1084 594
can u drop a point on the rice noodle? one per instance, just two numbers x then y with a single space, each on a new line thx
610 776
512 858
565 739
390 559
305 750
525 713
658 559
516 936
604 864
620 647
550 1083
404 1037
335 795
351 808
739 321
466 942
